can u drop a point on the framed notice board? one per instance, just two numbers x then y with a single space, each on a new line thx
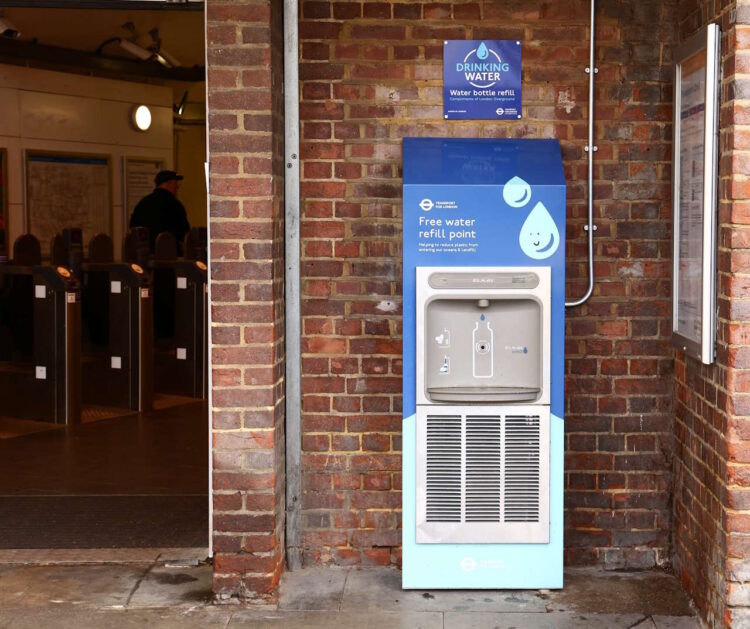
138 175
694 194
67 190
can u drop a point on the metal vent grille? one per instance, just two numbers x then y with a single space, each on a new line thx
483 475
522 473
483 468
443 482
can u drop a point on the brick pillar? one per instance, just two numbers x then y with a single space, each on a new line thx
734 329
245 103
712 433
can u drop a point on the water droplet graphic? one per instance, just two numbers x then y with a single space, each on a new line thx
482 52
481 318
539 237
516 192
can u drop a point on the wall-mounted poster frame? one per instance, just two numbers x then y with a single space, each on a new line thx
138 175
4 203
694 194
67 190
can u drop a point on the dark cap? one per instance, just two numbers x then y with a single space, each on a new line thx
163 176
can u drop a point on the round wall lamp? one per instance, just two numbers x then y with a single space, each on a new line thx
140 116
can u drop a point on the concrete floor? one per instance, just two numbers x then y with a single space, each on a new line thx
172 592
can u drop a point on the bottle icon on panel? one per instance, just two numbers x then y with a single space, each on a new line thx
444 338
483 354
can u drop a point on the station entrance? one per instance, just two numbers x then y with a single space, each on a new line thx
103 318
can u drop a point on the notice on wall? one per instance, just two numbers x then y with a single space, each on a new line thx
64 190
695 193
139 181
482 79
691 201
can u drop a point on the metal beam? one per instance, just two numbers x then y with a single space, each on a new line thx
25 53
293 334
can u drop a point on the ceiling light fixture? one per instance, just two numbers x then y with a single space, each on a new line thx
140 116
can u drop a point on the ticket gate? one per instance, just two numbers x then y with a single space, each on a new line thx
180 288
117 328
40 338
180 321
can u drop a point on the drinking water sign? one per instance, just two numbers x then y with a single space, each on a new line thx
481 79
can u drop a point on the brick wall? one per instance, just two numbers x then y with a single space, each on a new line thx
618 390
711 475
245 47
371 73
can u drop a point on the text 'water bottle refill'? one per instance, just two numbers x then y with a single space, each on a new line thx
484 233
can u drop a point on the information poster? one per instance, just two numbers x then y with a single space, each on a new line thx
139 181
690 220
482 79
64 190
694 194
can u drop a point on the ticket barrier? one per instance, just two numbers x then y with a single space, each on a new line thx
180 317
117 325
40 338
196 244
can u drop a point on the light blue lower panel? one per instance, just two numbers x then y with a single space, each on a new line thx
482 566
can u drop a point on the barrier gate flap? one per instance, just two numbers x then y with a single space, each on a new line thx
484 310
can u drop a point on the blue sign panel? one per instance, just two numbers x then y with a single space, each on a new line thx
482 80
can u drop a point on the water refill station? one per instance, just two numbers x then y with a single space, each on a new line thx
484 314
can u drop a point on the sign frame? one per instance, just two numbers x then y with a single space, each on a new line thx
30 154
127 188
482 79
694 194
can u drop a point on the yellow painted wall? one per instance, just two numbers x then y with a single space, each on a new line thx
190 155
53 111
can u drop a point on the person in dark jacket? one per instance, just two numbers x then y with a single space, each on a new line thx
161 211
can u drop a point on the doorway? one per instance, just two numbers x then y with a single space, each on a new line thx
126 465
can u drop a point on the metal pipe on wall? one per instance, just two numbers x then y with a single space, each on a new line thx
292 320
591 148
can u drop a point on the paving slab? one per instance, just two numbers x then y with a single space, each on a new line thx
52 618
313 589
554 620
590 590
676 622
40 586
176 586
377 588
337 620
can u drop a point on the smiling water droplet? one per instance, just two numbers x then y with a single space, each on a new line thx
539 237
482 52
516 192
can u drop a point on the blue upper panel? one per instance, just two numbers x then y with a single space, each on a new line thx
490 162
